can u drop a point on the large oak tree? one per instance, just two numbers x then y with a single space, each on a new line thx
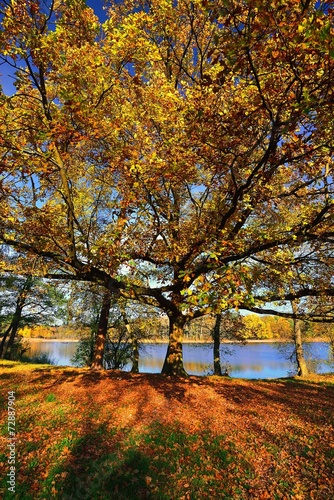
172 152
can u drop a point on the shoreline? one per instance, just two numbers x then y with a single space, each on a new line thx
34 339
186 341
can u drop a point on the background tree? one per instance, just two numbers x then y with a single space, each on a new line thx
302 368
25 300
279 328
9 335
256 328
227 326
123 326
290 271
326 331
141 323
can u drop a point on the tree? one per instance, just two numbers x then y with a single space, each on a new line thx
172 153
118 350
228 326
25 300
280 328
326 331
102 332
255 328
112 327
10 333
141 322
297 337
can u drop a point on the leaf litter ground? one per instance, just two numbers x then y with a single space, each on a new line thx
114 435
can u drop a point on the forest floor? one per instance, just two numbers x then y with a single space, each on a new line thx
113 435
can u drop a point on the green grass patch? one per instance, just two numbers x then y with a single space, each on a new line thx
50 398
162 463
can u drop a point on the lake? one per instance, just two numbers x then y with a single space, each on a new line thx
253 360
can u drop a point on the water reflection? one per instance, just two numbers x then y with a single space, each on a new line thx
258 360
60 352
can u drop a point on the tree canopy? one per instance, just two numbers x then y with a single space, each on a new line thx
179 154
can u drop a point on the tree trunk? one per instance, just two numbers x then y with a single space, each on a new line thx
173 364
8 348
301 362
134 344
297 337
217 370
331 342
101 336
3 342
133 339
135 355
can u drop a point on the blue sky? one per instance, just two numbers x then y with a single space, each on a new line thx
97 6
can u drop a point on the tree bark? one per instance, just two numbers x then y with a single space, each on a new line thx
8 348
301 362
173 364
101 336
3 342
217 370
134 344
297 337
135 355
133 339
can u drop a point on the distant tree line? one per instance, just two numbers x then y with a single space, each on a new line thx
254 328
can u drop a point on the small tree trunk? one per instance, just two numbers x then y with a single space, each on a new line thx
331 342
8 349
134 341
217 370
3 342
101 336
173 364
301 362
134 344
135 355
297 337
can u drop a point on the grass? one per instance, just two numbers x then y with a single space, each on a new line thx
84 435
